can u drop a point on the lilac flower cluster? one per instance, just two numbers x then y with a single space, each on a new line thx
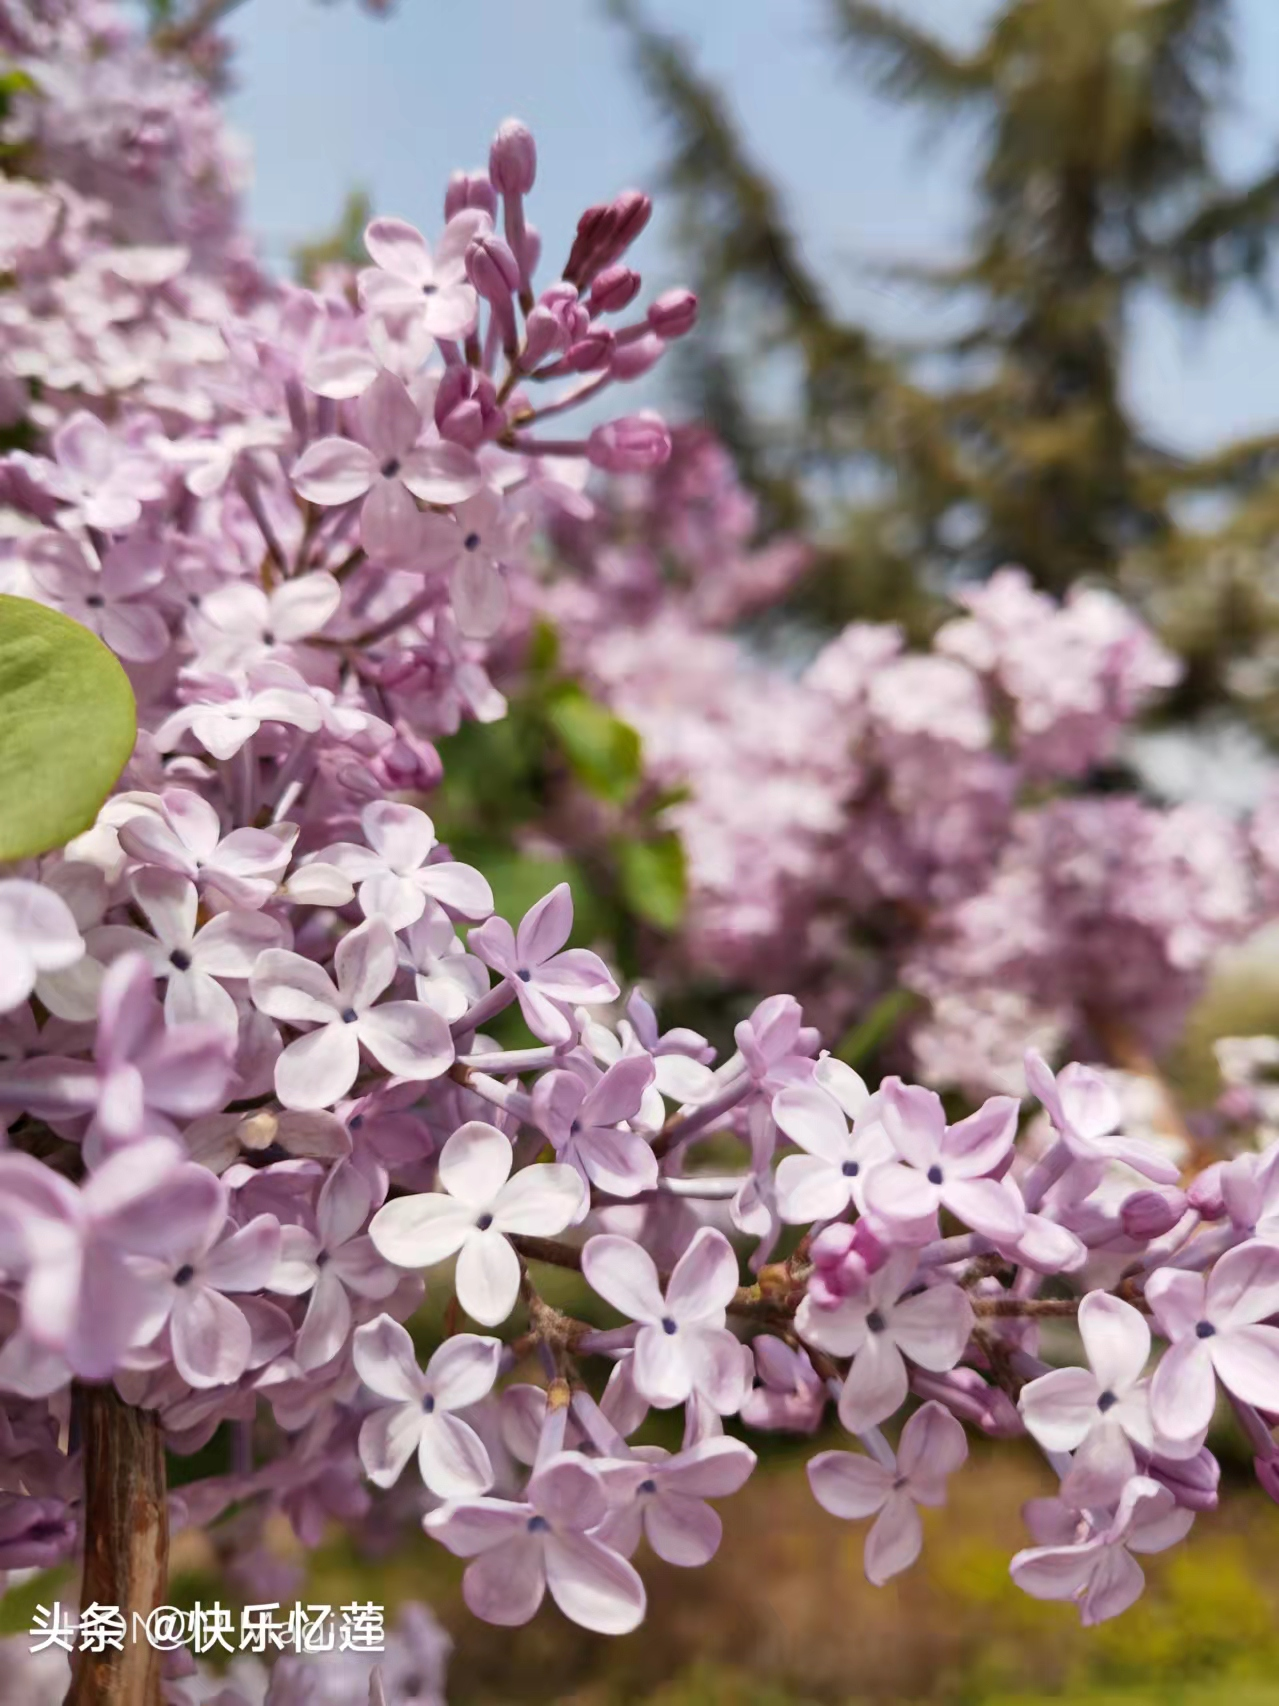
946 839
253 1107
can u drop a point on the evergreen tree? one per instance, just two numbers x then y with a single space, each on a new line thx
1096 182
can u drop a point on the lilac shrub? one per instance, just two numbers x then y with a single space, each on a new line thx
253 1105
893 821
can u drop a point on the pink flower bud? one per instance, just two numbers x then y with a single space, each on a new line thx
469 189
466 407
1149 1214
558 320
1192 1481
513 159
632 360
1267 1472
615 288
409 762
631 445
592 352
529 249
492 268
673 313
1204 1195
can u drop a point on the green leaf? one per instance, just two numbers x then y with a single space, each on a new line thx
865 1039
652 879
68 722
544 648
603 751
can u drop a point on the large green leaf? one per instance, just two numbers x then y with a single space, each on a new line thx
603 751
652 878
67 726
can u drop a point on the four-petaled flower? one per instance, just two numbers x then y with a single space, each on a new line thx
944 1166
1217 1333
314 1071
548 982
418 1416
519 1550
682 1346
1090 1561
473 1217
395 876
849 1485
879 1328
389 469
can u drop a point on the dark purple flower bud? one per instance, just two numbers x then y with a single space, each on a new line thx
1149 1214
469 189
1267 1471
1204 1195
631 445
604 234
513 159
632 360
673 313
592 352
594 226
615 288
1191 1481
492 268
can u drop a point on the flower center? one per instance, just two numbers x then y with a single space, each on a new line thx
428 1405
184 1275
538 1525
180 960
349 1015
95 601
472 541
669 1325
322 1260
875 1322
524 974
390 468
647 1487
934 1174
483 1223
1107 1401
851 1169
429 289
1204 1330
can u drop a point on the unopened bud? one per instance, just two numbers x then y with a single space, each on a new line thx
591 352
634 444
492 268
632 360
615 288
513 159
1204 1195
1267 1472
469 190
1148 1214
673 313
1192 1481
467 411
409 763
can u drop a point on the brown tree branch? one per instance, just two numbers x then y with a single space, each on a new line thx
126 1544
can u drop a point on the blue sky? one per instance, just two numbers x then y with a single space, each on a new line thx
330 98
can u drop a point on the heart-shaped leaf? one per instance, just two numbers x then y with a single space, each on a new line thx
68 722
